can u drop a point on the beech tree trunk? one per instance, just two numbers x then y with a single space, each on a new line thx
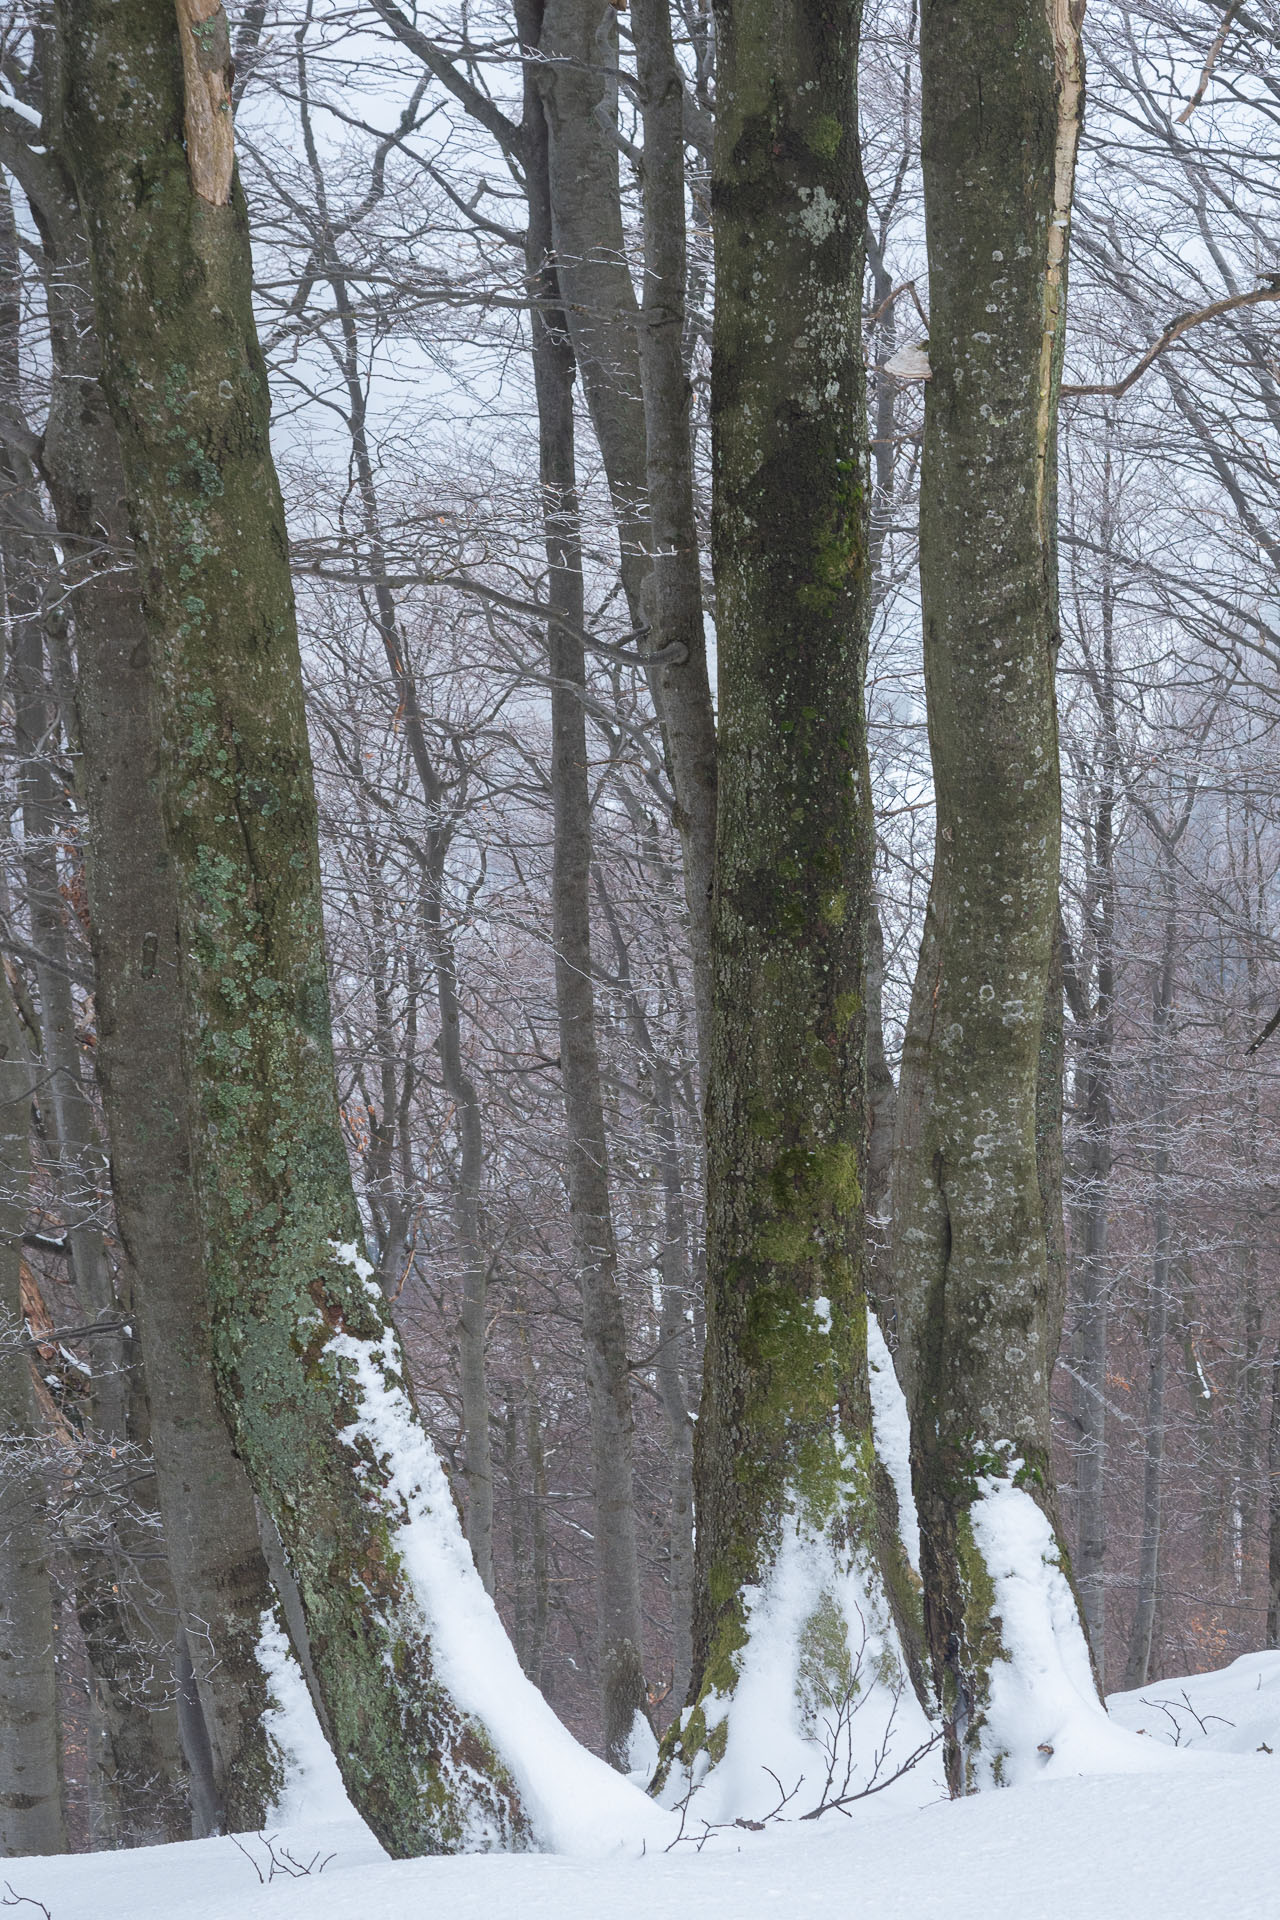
783 1454
219 1575
1138 1663
620 1652
31 1813
976 1268
137 1779
635 385
303 1347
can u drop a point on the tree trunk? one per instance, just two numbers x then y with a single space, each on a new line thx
682 694
308 1365
594 1252
1273 1507
219 1575
31 1812
635 384
137 1783
1138 1664
784 1468
1001 104
673 1327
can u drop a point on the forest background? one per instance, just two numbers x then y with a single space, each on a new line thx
392 304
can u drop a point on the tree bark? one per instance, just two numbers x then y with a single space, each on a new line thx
31 1811
783 1456
1138 1663
1001 105
623 1694
635 384
219 1575
308 1364
674 1330
682 694
137 1785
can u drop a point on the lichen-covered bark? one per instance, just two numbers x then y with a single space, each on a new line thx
974 1269
784 1434
187 390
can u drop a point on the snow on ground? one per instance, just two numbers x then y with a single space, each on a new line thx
1193 1838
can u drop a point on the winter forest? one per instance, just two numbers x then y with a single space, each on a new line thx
640 911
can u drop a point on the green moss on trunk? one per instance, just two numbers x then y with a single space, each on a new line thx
784 1432
187 388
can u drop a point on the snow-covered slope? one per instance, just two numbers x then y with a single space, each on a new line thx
1192 1837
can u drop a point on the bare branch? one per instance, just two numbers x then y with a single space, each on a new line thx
1180 324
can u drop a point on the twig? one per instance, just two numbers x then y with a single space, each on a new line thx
12 1899
281 1861
249 1857
877 1786
1265 1035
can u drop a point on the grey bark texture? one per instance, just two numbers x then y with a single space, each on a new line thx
31 1811
620 1653
219 1575
145 121
783 1439
976 1265
635 384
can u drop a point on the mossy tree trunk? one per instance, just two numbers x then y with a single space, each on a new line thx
783 1447
976 1252
302 1344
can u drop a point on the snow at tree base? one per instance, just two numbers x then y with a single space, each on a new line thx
1166 1811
